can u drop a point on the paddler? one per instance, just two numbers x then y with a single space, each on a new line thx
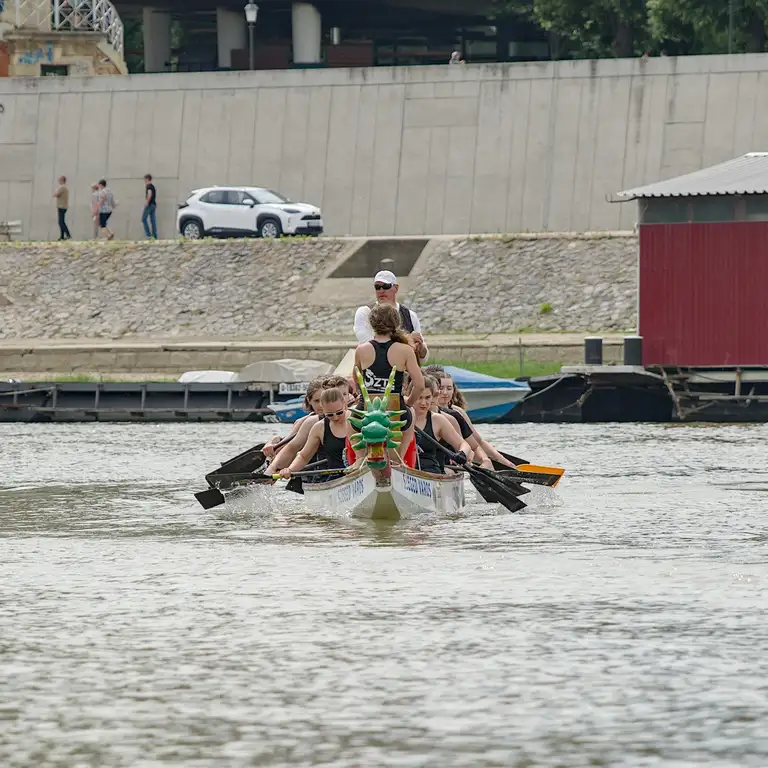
291 449
452 402
388 349
311 404
329 436
385 287
436 425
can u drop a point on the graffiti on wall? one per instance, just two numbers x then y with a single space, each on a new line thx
38 55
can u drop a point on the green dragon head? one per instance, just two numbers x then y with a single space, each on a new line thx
378 427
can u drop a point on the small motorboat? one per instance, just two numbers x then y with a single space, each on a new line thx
488 398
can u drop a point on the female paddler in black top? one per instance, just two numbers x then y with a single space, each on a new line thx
311 404
451 401
436 425
390 349
291 449
328 435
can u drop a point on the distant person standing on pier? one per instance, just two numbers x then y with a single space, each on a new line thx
107 205
386 288
149 217
61 195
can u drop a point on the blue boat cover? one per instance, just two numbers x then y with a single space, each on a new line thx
465 379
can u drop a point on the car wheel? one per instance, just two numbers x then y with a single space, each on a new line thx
270 228
192 229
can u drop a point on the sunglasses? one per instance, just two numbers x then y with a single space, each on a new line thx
337 413
382 286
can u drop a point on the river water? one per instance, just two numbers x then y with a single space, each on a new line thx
620 621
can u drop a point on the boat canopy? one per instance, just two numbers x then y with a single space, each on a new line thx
207 377
286 370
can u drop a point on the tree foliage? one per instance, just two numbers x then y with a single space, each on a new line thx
701 26
625 28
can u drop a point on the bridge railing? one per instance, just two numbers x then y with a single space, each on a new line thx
67 16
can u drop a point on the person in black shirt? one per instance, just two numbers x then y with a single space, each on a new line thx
328 435
149 217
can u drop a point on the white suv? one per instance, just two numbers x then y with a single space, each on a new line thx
245 211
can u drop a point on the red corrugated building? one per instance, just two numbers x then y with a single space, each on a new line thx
703 271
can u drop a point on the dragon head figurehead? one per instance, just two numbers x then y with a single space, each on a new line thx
378 428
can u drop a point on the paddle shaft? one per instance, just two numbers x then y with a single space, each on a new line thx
513 459
246 476
213 497
304 473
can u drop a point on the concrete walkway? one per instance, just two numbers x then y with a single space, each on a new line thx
286 342
173 355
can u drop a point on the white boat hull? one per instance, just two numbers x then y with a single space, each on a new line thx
406 494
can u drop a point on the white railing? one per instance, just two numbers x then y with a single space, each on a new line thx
68 16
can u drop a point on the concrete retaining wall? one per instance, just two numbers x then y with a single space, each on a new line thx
420 150
173 359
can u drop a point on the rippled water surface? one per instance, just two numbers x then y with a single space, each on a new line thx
619 621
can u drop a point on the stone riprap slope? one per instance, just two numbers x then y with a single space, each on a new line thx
532 282
245 288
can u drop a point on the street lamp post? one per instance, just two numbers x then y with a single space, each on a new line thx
251 14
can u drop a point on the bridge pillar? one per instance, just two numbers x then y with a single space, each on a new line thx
157 40
231 34
307 34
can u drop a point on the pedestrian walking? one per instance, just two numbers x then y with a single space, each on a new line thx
95 206
107 205
149 217
61 196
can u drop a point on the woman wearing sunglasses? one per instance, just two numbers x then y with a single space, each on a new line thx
329 435
291 449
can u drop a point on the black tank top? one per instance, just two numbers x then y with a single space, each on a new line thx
333 448
430 458
465 429
377 374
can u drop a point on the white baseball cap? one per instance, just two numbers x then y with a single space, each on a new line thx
385 276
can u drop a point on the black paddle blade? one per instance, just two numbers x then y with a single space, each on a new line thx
245 462
229 481
490 495
505 473
295 485
211 498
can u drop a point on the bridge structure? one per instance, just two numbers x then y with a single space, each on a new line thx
60 37
326 33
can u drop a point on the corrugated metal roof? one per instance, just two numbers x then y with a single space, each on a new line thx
745 175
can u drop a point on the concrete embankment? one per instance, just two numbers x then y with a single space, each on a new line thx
170 358
176 305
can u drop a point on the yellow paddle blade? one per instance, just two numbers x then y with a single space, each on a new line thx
559 471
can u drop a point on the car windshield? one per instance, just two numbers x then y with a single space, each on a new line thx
268 196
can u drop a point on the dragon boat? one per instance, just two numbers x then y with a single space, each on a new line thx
377 489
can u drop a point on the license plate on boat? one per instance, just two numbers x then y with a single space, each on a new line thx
293 388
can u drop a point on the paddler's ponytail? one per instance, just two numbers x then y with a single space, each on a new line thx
385 321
